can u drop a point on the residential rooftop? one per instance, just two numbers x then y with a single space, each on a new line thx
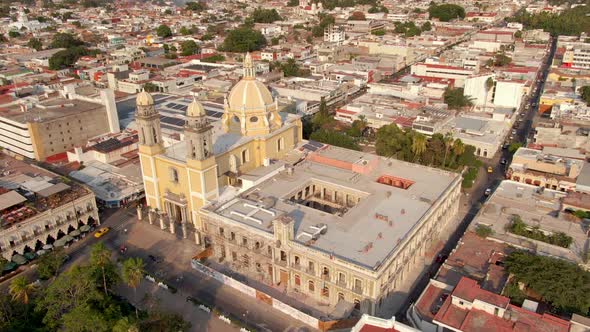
48 110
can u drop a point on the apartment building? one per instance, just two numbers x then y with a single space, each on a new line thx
458 74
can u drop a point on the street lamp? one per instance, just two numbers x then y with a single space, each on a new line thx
245 315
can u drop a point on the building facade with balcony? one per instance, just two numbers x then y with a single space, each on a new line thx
38 207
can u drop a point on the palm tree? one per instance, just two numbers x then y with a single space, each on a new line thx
418 145
447 140
133 271
458 147
100 257
21 289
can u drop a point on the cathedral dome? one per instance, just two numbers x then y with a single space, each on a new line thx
144 99
249 93
195 108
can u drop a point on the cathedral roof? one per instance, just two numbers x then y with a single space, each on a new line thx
144 99
195 108
249 94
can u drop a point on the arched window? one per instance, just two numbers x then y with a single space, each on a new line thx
325 291
311 286
173 175
280 144
155 134
297 280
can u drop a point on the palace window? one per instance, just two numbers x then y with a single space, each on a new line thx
297 280
311 286
173 175
245 156
280 144
325 291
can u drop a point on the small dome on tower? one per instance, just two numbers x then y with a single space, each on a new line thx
195 108
144 99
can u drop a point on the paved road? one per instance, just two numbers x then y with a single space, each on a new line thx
471 204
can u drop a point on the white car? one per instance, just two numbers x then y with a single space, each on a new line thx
488 192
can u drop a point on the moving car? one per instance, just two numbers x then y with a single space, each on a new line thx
101 232
503 161
490 169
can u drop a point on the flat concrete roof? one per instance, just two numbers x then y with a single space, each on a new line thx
365 234
49 110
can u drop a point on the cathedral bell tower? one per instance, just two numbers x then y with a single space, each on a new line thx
148 125
198 133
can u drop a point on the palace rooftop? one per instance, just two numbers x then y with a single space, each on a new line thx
367 204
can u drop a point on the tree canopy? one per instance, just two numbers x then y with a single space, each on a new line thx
196 6
65 40
562 284
35 44
261 15
67 58
164 31
585 93
571 22
189 47
446 12
456 99
437 151
243 40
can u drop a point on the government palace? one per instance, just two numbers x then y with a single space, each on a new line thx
337 226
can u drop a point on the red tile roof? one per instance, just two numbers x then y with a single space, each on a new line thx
469 290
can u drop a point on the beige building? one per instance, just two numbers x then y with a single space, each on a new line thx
56 125
340 227
544 170
38 208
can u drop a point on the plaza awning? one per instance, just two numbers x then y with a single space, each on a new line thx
48 247
62 242
30 256
85 228
10 199
74 233
19 259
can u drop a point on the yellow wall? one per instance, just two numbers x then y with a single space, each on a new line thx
203 177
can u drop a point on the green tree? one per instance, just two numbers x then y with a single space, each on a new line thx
483 231
274 41
185 31
69 290
100 257
562 284
35 43
21 290
293 3
49 264
261 15
378 32
426 26
163 31
65 40
243 40
133 272
446 12
513 147
189 47
196 6
585 93
334 138
85 318
418 145
518 34
290 68
13 34
455 98
150 87
214 58
68 57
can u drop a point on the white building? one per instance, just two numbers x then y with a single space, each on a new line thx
334 34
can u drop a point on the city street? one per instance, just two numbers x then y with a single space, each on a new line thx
474 197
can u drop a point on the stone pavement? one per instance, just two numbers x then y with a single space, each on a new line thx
143 239
200 320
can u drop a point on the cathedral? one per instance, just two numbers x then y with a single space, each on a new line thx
338 226
180 179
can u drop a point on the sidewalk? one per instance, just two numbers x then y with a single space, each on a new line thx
200 320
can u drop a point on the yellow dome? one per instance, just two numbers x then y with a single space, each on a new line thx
249 93
195 108
144 99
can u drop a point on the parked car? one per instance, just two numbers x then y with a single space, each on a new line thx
490 169
488 192
503 161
